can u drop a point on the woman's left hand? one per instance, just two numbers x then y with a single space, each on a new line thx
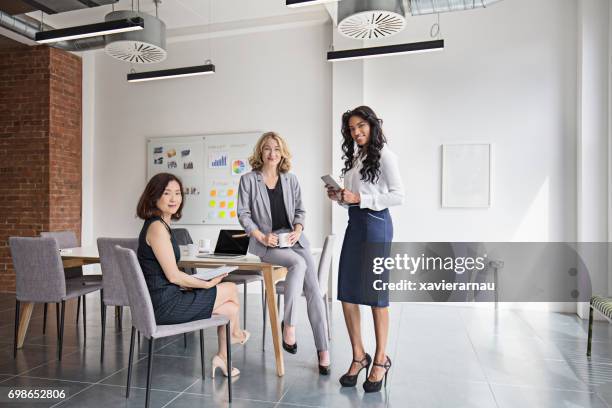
295 235
349 197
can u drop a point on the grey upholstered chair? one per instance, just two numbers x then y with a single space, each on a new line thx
322 274
143 319
239 277
113 293
68 239
40 279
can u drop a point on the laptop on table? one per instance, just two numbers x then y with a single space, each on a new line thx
231 244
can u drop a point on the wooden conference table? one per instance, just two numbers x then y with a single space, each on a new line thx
271 274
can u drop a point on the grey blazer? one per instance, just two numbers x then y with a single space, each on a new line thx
254 207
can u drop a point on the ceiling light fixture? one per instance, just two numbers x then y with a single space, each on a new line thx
207 69
90 30
385 50
302 3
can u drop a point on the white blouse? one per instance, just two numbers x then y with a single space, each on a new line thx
388 191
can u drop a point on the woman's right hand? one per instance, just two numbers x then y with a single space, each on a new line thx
215 281
269 240
332 193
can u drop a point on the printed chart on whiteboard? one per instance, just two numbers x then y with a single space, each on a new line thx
210 167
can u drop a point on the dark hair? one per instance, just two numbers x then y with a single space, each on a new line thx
371 164
147 205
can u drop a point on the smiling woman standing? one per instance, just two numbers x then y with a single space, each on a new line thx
372 183
269 204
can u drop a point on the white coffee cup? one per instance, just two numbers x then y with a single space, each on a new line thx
205 245
283 240
192 249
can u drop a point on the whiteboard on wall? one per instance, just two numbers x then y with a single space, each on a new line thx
209 167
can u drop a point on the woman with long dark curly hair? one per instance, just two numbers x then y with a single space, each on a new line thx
372 183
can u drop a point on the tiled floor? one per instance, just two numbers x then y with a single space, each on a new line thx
443 356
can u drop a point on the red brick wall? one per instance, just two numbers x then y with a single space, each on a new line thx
40 146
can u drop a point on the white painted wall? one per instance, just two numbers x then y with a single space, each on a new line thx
265 81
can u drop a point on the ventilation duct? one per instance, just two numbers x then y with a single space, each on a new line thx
145 46
420 7
366 19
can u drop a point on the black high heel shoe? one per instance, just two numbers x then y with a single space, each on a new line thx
351 380
323 370
375 386
291 348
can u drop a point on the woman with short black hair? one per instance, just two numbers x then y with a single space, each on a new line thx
372 183
176 296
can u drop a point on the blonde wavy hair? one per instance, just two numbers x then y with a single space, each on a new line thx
256 160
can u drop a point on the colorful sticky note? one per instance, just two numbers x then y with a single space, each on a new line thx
230 204
222 204
213 193
212 203
221 214
230 192
232 214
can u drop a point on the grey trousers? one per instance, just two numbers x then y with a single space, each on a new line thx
301 277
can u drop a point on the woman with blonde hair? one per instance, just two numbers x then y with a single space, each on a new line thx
269 204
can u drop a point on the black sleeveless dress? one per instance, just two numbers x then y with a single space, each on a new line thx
171 305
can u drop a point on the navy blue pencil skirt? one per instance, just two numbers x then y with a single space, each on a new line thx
355 277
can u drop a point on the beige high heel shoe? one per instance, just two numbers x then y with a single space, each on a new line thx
218 362
247 335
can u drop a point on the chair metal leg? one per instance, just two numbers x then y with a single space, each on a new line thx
57 320
78 309
130 363
17 307
327 317
278 302
44 318
103 311
84 320
263 304
120 325
228 337
149 370
61 332
590 338
184 340
138 340
202 351
244 306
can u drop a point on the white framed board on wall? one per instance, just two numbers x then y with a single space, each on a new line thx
209 167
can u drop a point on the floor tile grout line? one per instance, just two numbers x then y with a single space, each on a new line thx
181 393
284 394
92 385
46 362
467 333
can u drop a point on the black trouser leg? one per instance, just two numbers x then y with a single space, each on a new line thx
228 341
17 306
103 311
78 309
84 320
202 350
149 369
129 377
44 318
61 333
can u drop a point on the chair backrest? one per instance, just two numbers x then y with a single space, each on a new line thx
183 237
325 262
38 269
65 239
141 307
112 279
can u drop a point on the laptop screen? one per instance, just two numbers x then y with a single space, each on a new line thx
234 242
